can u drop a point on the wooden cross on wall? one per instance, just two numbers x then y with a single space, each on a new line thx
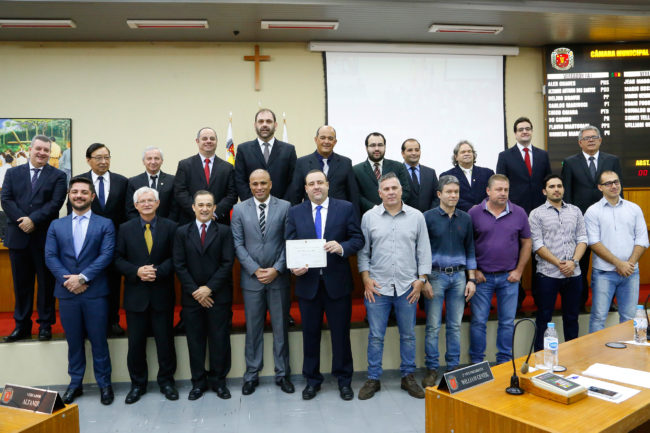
257 59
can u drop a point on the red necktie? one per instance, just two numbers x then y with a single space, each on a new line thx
527 161
207 170
202 235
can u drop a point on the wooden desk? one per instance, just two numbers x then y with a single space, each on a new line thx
487 408
62 421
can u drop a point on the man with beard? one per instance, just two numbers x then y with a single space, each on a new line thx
267 153
369 172
78 250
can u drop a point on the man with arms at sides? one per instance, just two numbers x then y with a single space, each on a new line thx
422 179
502 245
368 172
473 179
203 258
325 290
618 236
451 237
267 153
394 264
337 168
559 241
109 202
580 174
31 196
525 166
78 251
205 171
258 234
144 256
153 177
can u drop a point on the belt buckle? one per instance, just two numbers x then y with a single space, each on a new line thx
449 270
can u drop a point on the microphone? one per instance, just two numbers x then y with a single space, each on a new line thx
514 388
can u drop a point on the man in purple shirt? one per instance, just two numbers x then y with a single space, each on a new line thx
503 245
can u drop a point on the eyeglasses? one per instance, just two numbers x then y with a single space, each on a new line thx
611 182
372 145
590 138
101 158
526 129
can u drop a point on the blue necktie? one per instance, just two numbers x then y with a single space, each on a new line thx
318 224
35 176
101 195
77 235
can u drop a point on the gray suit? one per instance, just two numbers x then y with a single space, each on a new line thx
255 251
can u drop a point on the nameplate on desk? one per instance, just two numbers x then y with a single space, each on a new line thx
466 378
32 399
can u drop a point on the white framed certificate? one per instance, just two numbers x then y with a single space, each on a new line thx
306 253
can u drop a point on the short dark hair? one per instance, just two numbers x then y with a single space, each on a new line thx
93 147
81 179
600 178
447 179
521 119
407 140
549 177
315 170
202 192
265 110
375 134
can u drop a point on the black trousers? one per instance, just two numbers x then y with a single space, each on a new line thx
211 326
26 264
584 269
339 314
162 325
114 284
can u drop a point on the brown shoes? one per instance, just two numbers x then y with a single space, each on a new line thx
369 389
430 378
411 386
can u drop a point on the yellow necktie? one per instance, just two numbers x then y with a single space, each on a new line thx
147 237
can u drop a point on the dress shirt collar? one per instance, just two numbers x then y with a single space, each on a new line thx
154 174
266 202
86 214
467 171
521 148
505 212
203 158
144 223
31 167
271 143
382 209
549 205
443 213
372 164
198 225
587 156
105 176
408 168
324 204
604 203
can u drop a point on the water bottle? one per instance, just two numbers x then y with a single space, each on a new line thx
550 347
640 325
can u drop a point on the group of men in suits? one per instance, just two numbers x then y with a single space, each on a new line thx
138 218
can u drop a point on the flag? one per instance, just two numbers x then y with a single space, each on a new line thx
230 147
285 134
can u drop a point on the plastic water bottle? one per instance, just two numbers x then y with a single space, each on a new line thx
550 347
640 325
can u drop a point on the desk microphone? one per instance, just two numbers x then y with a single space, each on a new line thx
514 388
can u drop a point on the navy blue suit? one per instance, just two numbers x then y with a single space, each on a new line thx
85 314
471 195
329 292
41 204
424 196
525 190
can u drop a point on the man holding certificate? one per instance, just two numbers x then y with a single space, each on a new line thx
324 289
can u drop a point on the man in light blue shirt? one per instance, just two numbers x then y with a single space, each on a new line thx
394 264
618 235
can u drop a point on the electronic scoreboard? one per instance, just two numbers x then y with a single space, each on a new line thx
607 86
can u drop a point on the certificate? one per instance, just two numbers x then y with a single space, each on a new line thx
306 253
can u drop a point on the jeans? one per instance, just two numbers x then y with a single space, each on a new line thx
547 289
377 313
451 289
606 284
506 293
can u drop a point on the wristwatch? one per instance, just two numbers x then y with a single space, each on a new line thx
424 280
82 280
472 280
577 263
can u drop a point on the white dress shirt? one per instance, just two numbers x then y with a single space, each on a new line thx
107 183
523 154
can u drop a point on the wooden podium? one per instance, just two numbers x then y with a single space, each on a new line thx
17 420
487 408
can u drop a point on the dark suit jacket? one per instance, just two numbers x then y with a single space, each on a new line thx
525 190
282 162
474 194
343 184
342 225
210 265
579 188
114 208
190 178
41 205
131 253
165 188
95 255
368 185
427 198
